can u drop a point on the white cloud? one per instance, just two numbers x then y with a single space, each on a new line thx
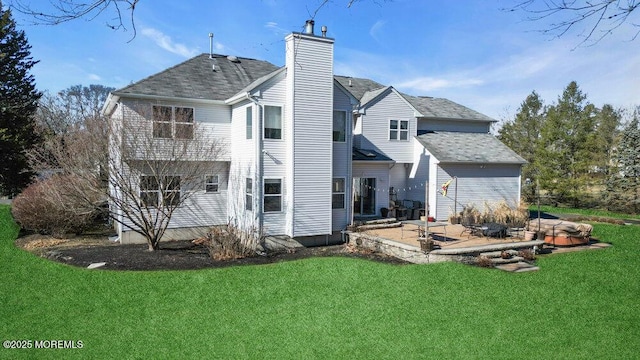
275 28
376 28
94 77
427 84
166 43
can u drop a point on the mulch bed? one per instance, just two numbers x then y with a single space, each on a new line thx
174 255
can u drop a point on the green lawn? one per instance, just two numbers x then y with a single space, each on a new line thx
579 305
585 212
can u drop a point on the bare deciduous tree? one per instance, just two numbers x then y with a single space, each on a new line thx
62 11
147 164
594 20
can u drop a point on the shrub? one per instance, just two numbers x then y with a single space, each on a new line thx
46 207
484 261
230 242
527 254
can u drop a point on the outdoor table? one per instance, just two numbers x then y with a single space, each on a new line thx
420 225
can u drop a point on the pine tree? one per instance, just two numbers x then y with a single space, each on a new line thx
564 155
623 185
522 135
18 104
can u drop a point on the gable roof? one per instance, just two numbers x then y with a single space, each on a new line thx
221 77
196 78
442 108
458 147
358 86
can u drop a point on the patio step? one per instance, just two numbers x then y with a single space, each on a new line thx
514 263
380 221
518 267
384 225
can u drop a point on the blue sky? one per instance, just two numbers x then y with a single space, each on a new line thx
468 51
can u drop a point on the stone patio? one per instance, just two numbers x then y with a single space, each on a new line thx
452 243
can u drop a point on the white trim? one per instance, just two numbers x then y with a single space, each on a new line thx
265 195
282 120
399 129
344 131
216 183
344 192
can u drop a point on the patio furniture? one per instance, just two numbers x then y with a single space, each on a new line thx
421 228
471 229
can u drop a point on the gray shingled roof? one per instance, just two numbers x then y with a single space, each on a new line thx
358 86
443 108
196 79
368 155
458 147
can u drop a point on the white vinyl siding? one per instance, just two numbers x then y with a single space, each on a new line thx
342 152
375 125
477 184
310 83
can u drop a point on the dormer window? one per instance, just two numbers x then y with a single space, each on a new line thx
399 130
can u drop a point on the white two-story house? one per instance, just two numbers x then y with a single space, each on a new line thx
307 151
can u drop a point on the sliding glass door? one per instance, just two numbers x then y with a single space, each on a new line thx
364 190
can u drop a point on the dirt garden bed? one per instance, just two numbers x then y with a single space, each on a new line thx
83 251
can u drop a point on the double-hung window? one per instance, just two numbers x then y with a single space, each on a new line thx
272 122
156 192
248 194
398 130
339 125
211 183
272 195
172 122
249 123
337 198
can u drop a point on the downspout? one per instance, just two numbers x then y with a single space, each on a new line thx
259 163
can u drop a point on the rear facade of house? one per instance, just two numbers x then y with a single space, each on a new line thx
308 151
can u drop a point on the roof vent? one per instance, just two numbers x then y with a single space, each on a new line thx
210 45
308 27
324 30
233 59
350 84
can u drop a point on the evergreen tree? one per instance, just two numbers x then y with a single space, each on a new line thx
522 134
18 104
606 133
564 155
623 185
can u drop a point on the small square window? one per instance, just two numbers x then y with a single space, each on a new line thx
211 183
